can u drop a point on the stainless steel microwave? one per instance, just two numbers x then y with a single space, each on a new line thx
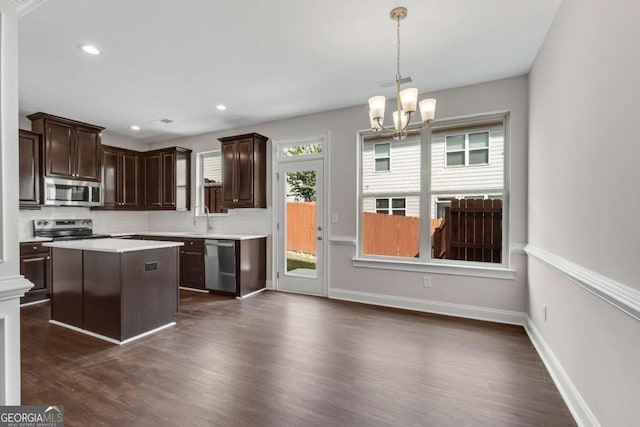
67 192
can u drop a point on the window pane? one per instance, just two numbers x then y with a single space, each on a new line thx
396 235
478 140
382 203
382 150
382 165
300 242
479 157
455 142
471 232
398 203
211 168
301 150
455 159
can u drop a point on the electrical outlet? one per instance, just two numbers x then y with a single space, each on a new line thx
544 311
426 281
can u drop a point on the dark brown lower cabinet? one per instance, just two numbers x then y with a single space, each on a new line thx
251 265
35 266
192 264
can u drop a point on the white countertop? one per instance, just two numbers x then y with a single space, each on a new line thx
112 245
34 239
227 236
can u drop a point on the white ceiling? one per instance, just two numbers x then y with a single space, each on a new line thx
264 59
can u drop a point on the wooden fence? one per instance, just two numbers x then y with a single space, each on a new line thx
301 227
471 231
390 235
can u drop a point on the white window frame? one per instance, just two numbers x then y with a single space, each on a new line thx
390 209
467 150
199 211
425 263
376 157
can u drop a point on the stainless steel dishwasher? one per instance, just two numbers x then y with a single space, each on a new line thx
220 265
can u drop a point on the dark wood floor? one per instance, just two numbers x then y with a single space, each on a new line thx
290 360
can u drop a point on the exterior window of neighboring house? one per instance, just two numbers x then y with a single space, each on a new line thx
467 149
454 217
382 157
392 206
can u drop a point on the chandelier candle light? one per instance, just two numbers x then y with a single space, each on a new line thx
406 99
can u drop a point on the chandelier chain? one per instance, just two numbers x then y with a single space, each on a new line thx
398 77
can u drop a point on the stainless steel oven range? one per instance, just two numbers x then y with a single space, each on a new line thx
65 229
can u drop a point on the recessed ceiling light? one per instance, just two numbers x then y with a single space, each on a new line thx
221 107
90 49
134 127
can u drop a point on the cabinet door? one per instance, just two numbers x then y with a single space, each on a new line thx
110 177
192 268
169 180
36 269
87 154
59 149
229 171
153 180
129 180
29 167
244 190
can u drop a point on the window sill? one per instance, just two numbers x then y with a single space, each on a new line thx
424 267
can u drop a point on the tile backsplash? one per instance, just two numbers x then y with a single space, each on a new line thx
103 221
236 221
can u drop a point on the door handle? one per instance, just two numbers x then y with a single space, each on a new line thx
319 228
319 237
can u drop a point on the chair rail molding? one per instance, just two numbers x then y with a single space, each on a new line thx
615 293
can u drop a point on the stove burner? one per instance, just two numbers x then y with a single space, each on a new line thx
65 229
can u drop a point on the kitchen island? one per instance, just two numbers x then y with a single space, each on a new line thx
114 289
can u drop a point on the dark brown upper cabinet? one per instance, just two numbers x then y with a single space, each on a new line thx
121 178
30 169
244 171
71 148
167 175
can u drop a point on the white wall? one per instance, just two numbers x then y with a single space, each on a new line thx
12 285
343 125
583 198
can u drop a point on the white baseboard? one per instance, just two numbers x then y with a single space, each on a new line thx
27 304
109 339
449 309
576 404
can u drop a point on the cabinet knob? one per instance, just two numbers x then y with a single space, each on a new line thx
35 247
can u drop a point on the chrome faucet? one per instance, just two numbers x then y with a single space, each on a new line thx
195 215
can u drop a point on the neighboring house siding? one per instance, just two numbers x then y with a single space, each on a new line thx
468 177
404 173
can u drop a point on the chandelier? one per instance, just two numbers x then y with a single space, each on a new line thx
406 99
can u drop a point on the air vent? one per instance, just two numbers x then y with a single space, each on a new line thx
26 6
389 83
163 120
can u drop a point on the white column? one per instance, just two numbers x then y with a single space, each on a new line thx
12 285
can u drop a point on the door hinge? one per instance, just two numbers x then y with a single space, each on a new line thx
277 274
277 226
277 176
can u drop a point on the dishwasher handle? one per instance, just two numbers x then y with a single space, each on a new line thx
220 244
